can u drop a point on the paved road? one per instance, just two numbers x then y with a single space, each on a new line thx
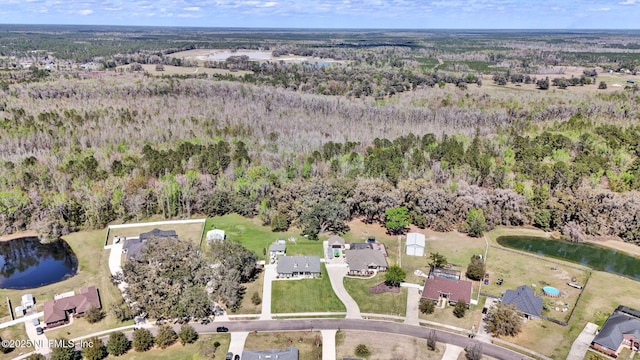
336 275
359 324
582 342
413 300
269 274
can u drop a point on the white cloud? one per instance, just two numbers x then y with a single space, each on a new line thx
268 4
628 2
600 9
113 8
85 12
192 8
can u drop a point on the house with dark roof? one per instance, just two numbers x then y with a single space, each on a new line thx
437 288
290 353
359 246
365 261
298 266
276 249
57 312
525 301
622 329
133 246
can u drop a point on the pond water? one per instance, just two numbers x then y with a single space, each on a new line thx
596 257
27 263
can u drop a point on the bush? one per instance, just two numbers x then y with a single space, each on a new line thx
427 306
474 352
187 334
476 268
166 337
142 340
602 85
118 344
94 314
63 352
460 309
36 356
503 320
256 299
362 350
97 350
432 340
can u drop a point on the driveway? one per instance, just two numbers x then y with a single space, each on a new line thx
413 300
336 275
269 274
328 344
236 346
452 352
582 342
40 342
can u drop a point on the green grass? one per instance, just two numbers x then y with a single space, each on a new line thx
15 332
191 232
257 237
305 295
305 341
246 306
445 316
179 352
386 303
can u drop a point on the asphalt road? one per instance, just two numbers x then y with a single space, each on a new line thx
357 324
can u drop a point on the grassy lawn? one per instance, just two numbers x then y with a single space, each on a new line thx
305 295
445 316
191 232
385 346
305 341
246 306
256 237
386 303
195 351
15 332
93 269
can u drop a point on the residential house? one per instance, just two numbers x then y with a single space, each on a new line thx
525 301
365 261
415 244
437 288
290 353
336 242
57 312
298 266
622 329
132 246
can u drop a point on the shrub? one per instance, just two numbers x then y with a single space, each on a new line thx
94 315
187 334
166 337
118 344
427 306
256 299
460 309
362 350
142 340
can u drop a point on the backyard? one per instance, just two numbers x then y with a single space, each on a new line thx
311 295
191 232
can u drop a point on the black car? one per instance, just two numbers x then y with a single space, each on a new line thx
229 356
237 357
222 329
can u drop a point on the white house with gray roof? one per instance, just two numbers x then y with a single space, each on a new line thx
290 353
365 261
298 266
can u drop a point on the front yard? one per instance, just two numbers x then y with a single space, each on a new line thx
305 295
385 303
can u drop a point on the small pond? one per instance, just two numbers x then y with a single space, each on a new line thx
27 263
596 257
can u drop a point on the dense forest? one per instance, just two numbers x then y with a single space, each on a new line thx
445 131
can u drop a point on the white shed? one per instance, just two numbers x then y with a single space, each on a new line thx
215 234
27 301
415 244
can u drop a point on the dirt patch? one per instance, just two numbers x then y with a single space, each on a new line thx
383 288
385 346
18 235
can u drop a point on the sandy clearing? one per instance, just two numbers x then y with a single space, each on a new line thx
18 235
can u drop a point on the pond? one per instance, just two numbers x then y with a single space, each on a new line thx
593 256
27 263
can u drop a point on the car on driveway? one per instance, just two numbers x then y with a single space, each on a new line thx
237 357
229 356
39 330
222 329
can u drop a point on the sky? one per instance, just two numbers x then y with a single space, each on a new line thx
359 14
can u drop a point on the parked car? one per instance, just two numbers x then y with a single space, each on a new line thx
229 356
39 330
35 322
237 357
221 329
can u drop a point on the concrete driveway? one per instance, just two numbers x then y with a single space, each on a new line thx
336 275
269 274
328 344
413 300
236 346
40 342
452 352
582 342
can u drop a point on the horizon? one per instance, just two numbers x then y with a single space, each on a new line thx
331 14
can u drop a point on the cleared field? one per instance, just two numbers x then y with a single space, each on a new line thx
257 238
305 341
201 349
385 303
311 295
385 346
246 306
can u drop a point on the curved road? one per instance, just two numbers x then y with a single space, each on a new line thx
358 324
